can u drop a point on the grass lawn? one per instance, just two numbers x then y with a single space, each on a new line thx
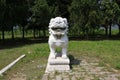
34 64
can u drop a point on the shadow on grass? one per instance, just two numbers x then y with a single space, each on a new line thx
9 43
73 61
95 38
18 42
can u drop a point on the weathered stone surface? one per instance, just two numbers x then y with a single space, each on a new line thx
58 64
45 77
61 68
58 36
87 71
73 78
58 77
66 77
58 61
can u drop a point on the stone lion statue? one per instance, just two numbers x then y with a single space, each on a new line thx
58 28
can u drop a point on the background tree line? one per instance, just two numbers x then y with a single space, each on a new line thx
85 17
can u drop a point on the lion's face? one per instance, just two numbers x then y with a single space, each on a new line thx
58 29
58 26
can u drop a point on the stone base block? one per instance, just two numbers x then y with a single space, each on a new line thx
59 68
59 61
58 64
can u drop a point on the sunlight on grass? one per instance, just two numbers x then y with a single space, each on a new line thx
34 64
107 51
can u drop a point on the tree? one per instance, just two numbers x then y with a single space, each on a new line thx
13 12
117 17
83 15
22 14
109 14
40 15
5 16
59 7
2 13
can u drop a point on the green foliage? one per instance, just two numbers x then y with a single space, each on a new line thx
109 9
41 13
84 15
59 7
13 12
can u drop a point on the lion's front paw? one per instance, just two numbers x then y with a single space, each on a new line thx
64 56
52 56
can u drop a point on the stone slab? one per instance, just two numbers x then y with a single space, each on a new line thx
61 68
57 64
59 61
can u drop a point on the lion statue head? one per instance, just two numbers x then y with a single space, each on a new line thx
58 26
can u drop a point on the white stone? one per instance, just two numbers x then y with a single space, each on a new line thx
58 28
58 60
58 64
58 36
58 77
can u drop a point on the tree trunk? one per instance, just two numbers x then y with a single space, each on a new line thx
34 32
78 32
87 34
93 31
44 32
119 29
0 36
26 33
110 30
12 33
83 33
23 32
106 30
3 35
39 33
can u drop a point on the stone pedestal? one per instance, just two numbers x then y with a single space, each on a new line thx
57 64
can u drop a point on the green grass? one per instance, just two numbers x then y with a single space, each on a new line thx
34 64
36 55
106 51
